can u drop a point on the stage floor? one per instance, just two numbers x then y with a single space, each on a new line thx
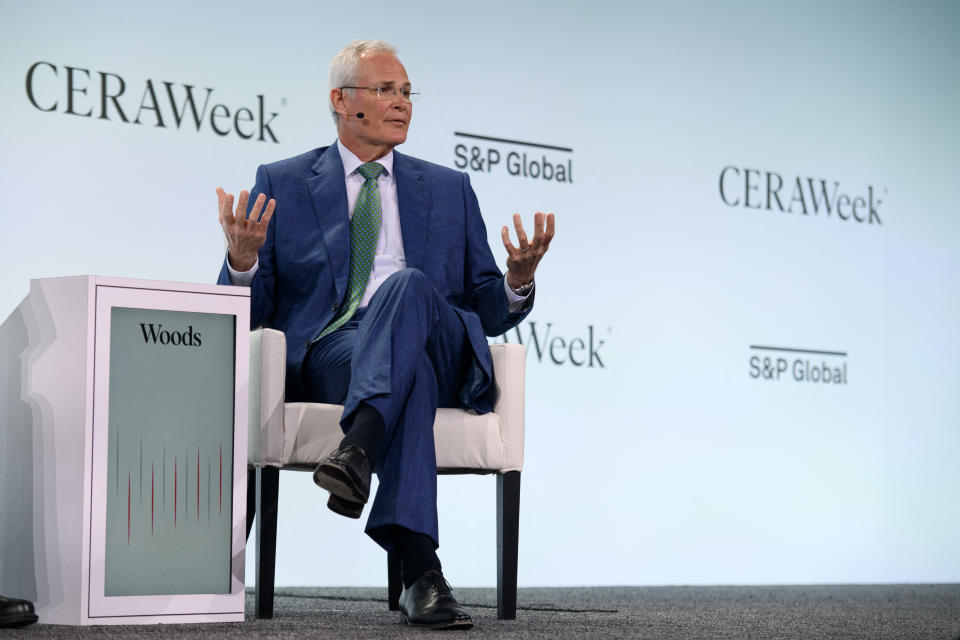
802 612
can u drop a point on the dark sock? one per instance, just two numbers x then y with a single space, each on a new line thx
417 554
366 431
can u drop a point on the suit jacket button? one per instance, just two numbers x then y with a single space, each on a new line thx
334 306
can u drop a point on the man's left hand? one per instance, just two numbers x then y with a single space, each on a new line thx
522 261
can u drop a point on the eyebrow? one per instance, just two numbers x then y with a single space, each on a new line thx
391 83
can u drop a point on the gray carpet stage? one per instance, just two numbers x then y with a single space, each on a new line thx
807 612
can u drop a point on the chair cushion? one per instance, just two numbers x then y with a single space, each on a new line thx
299 435
464 441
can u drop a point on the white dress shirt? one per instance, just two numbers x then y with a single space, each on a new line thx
389 257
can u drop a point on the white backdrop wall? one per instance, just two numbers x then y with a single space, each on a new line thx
676 452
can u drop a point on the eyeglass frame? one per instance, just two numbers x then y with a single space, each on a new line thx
410 97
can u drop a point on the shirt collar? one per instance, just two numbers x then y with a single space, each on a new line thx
351 162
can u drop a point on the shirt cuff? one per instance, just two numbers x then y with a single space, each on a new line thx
242 278
515 302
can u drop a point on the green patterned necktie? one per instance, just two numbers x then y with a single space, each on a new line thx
364 234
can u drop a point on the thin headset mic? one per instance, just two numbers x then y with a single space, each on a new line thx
359 115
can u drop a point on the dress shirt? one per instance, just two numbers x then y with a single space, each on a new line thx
389 257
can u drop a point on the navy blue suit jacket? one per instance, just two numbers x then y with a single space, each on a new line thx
304 264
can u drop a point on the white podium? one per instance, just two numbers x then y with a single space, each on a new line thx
123 448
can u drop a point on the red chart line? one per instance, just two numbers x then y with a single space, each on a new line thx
176 490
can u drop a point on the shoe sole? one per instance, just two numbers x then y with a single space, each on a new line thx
19 620
338 483
344 507
457 624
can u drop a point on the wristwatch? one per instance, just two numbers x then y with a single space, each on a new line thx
523 289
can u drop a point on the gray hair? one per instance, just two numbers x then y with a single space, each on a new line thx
343 67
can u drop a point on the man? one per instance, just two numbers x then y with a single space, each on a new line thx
376 267
16 613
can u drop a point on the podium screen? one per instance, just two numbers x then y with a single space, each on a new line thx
170 469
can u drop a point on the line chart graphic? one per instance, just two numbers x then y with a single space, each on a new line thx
199 470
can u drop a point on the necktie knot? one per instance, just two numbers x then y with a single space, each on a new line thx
371 170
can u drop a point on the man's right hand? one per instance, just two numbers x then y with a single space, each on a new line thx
244 235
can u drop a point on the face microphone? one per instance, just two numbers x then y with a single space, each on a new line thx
358 115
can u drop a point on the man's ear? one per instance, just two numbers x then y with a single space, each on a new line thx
336 99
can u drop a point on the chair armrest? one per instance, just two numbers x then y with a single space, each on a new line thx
509 370
268 373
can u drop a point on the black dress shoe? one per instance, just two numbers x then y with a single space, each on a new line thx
16 613
345 507
345 474
429 602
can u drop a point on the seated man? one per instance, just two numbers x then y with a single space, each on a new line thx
376 267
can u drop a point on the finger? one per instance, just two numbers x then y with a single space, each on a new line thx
221 199
505 235
241 214
521 234
254 216
228 210
268 213
537 228
551 229
547 234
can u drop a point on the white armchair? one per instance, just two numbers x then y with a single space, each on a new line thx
299 435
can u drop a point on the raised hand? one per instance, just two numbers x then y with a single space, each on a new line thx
522 261
245 235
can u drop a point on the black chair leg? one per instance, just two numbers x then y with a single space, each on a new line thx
394 582
251 499
268 485
508 538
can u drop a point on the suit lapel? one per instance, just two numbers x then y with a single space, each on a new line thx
328 192
414 203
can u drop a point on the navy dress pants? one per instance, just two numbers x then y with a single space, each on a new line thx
404 355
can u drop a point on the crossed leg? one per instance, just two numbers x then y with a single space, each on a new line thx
403 356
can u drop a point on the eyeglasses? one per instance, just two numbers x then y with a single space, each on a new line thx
390 93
